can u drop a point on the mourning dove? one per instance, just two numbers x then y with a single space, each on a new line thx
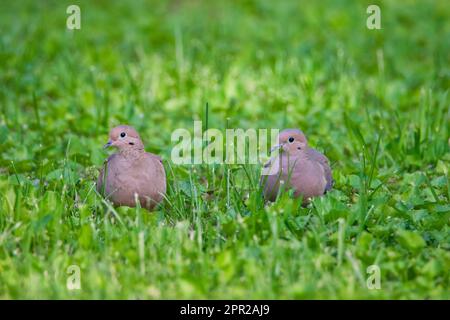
297 167
131 172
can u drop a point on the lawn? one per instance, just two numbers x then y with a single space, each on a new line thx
376 102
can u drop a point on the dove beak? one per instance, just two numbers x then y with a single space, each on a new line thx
108 144
278 146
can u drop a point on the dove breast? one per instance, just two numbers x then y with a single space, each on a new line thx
308 173
143 176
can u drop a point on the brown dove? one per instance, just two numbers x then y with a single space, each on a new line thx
131 172
298 167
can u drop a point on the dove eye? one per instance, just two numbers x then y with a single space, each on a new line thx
291 139
123 134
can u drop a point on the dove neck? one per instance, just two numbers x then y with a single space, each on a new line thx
132 153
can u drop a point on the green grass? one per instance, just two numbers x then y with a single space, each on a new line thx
375 101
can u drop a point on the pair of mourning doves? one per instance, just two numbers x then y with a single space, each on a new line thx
298 167
131 172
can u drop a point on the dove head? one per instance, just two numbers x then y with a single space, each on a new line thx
292 141
124 138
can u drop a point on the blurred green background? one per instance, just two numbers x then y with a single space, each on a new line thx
374 101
